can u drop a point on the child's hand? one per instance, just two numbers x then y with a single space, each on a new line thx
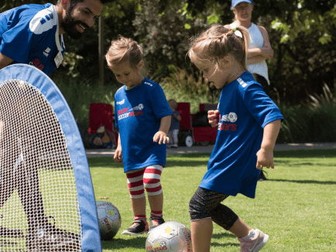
161 137
117 154
265 159
213 117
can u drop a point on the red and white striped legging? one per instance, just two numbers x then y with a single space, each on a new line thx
148 179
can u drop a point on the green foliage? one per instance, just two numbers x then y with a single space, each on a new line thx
302 34
183 87
304 41
295 127
79 94
313 121
161 30
326 98
7 4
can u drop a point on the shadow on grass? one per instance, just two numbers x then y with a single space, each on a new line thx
186 163
224 236
297 164
304 181
226 244
104 162
134 242
139 242
307 153
201 159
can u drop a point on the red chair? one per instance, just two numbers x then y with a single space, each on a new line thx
185 134
101 126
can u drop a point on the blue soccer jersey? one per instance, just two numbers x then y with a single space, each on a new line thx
138 113
244 110
30 34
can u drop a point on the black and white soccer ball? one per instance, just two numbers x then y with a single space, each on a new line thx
109 219
170 236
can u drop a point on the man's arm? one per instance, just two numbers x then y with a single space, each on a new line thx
4 61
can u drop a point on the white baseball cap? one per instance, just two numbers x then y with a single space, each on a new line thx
234 3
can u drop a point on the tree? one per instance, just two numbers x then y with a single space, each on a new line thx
305 48
302 33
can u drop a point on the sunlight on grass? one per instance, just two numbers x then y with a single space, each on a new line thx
295 206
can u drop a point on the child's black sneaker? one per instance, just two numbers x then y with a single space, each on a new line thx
156 222
137 227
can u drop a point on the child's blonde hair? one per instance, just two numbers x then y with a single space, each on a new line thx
217 42
124 50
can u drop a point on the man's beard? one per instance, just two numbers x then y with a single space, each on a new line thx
69 25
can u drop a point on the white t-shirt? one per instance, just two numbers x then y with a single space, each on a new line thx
257 41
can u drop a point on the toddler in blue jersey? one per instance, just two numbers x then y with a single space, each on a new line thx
142 117
248 123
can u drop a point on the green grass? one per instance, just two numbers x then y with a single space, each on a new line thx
296 206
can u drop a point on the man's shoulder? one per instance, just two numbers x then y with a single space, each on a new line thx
44 19
38 18
26 10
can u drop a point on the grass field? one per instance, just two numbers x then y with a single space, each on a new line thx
296 206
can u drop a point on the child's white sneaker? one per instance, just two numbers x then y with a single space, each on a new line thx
254 241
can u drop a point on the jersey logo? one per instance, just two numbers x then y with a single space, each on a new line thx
230 117
227 122
135 111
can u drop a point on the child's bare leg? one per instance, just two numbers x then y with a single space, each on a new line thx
138 202
240 228
139 207
137 193
201 232
139 224
156 202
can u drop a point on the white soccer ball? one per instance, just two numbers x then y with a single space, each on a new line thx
109 219
170 236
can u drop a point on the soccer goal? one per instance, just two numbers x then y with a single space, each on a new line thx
46 195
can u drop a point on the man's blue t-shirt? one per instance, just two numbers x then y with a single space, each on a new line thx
138 113
30 34
245 110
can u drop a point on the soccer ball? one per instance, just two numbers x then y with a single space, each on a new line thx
170 236
109 220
